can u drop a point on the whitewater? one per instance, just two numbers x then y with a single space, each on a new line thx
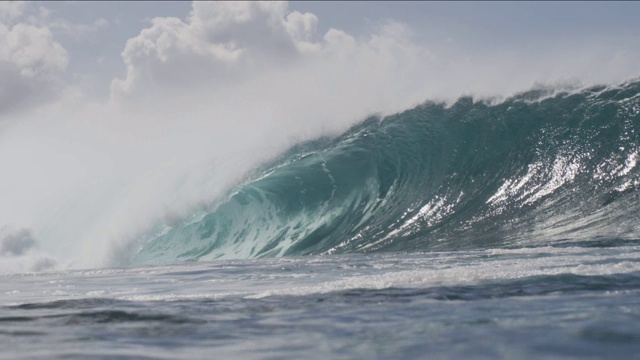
480 229
536 169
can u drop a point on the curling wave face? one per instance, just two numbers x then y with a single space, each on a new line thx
540 168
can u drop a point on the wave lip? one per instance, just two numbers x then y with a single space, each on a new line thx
538 168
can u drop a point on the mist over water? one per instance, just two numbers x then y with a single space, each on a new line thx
190 121
537 169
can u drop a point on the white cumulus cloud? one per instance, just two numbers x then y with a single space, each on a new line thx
222 44
10 10
219 41
31 61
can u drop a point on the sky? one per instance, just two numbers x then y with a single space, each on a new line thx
115 116
95 33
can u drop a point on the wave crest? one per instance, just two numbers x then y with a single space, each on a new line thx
527 171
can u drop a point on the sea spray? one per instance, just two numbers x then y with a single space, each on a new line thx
537 168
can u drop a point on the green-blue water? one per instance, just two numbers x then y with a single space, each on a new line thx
535 169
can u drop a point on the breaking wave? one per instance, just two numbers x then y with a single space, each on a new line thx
539 168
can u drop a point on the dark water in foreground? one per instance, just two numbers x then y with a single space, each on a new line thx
547 302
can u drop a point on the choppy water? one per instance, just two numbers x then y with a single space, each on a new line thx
546 302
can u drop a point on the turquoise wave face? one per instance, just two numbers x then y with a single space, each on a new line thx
536 169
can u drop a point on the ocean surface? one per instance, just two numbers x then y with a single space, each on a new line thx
482 229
